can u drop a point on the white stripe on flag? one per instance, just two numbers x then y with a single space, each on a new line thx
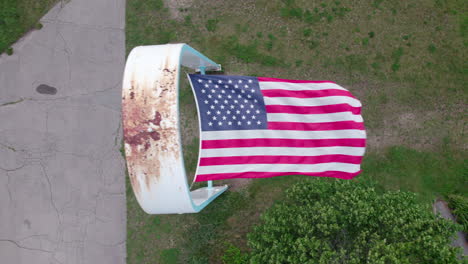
332 166
281 151
263 133
299 86
314 118
319 101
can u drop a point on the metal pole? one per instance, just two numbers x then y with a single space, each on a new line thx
210 183
202 70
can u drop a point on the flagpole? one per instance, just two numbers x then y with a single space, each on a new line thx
210 183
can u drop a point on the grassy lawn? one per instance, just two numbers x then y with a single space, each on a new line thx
18 17
405 60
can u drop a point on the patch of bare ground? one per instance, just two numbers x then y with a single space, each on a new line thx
421 130
177 7
239 184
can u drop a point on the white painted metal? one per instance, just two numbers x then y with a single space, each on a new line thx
152 140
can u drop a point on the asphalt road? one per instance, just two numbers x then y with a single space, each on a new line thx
62 182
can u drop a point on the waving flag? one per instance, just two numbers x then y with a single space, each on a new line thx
255 127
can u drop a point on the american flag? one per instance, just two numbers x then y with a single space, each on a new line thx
255 127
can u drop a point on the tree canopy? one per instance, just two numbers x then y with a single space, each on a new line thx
336 221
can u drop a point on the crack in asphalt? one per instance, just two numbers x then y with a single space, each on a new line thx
8 188
51 195
15 169
12 102
67 51
71 222
117 133
23 247
7 147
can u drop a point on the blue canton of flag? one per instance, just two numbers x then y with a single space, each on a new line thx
229 102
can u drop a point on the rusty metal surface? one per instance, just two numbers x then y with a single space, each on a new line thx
150 118
149 113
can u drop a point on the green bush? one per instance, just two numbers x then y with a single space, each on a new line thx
324 221
459 205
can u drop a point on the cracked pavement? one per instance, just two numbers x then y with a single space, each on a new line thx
62 180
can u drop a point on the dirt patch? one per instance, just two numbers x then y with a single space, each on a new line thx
177 8
395 130
237 185
422 130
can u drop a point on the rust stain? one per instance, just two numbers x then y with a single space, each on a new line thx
141 137
149 113
132 82
157 119
147 145
147 178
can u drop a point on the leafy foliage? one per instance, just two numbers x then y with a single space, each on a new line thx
325 221
459 205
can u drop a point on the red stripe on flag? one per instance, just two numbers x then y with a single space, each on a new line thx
324 109
266 79
222 176
280 160
306 93
315 126
283 142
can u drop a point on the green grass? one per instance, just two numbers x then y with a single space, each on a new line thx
202 238
211 25
170 256
18 17
431 174
406 62
14 102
